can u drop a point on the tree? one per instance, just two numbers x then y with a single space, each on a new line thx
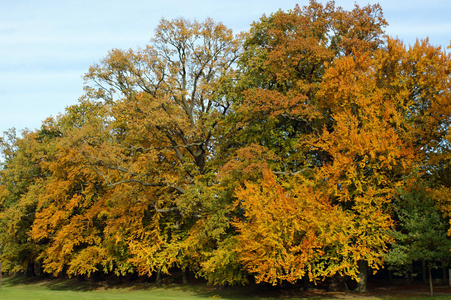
417 79
281 68
69 203
149 133
21 175
287 233
420 232
363 117
88 227
367 149
169 98
287 71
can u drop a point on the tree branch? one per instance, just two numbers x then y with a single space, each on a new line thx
109 183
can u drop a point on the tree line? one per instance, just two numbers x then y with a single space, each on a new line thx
310 147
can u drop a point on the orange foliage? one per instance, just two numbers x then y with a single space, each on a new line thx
286 234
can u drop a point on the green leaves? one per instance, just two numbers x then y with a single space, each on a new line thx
420 231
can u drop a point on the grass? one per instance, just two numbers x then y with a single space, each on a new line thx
18 289
71 290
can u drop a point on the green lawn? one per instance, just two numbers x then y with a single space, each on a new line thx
18 289
72 290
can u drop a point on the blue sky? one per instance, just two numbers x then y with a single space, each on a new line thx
47 45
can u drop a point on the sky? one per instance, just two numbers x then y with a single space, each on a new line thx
46 46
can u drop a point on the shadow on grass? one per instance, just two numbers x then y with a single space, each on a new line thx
199 289
196 288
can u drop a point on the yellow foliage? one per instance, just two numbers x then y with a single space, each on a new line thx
286 234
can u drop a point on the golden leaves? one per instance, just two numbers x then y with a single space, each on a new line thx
285 233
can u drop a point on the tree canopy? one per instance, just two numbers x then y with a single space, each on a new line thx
293 151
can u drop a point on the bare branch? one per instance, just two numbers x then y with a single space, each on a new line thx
109 183
164 210
135 180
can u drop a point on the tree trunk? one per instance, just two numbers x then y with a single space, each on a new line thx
411 274
430 283
38 268
158 280
338 283
363 276
30 270
185 275
444 273
424 269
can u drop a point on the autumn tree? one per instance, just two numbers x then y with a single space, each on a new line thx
168 96
366 158
368 155
71 204
416 78
284 67
21 175
339 104
162 107
290 231
122 163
